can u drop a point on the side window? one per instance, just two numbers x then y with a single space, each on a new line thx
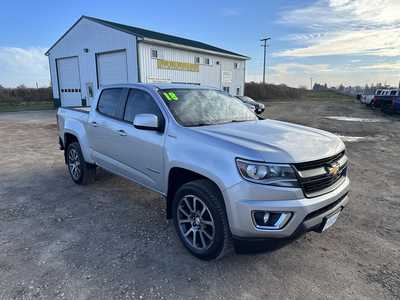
140 102
110 102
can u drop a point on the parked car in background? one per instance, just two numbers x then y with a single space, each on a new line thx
258 107
224 173
396 103
366 99
379 96
387 101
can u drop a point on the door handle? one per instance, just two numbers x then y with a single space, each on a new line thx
121 132
94 124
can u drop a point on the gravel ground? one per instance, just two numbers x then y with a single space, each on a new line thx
111 239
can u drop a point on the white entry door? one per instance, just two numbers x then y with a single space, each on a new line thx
112 68
69 81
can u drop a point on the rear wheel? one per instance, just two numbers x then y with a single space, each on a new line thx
81 172
200 220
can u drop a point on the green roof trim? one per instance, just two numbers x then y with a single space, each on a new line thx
158 36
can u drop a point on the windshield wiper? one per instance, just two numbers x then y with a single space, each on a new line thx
235 121
208 124
199 125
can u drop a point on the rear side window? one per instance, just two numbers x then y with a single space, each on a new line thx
140 102
110 102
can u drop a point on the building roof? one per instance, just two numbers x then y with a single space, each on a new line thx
162 86
140 32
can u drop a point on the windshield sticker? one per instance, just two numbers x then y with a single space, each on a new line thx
167 96
171 96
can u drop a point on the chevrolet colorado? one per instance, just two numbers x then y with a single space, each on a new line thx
225 173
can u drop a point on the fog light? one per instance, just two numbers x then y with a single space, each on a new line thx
271 220
266 217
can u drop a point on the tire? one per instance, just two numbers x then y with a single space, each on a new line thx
81 172
196 205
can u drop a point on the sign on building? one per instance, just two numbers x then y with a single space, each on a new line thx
177 65
226 76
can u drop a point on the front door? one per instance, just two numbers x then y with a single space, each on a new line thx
141 151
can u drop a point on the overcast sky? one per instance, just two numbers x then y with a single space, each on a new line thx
352 42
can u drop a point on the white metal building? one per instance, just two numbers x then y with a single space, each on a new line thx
95 52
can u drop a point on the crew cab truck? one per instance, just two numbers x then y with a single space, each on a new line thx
388 102
225 173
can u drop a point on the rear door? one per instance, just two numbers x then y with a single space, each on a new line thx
112 68
103 126
69 81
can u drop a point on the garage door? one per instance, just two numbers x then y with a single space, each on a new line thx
69 81
112 68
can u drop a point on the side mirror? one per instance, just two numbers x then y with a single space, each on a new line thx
146 122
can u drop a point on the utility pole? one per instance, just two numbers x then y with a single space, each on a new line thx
265 54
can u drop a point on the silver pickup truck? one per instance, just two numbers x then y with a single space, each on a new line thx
225 173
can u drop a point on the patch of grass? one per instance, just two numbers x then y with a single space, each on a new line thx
273 92
326 95
32 105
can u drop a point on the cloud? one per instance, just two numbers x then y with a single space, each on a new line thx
345 27
352 12
383 66
379 42
228 12
295 68
23 66
298 74
293 74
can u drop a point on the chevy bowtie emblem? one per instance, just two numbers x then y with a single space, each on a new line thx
333 168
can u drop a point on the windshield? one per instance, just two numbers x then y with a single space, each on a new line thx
200 107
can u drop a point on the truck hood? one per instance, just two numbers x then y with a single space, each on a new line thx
276 141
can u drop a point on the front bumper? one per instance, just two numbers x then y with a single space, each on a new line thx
307 213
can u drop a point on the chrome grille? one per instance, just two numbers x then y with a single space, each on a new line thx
315 178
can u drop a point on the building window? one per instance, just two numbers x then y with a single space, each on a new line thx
226 89
235 65
207 61
238 91
217 62
154 53
197 59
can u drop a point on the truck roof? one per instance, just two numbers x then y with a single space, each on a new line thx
162 86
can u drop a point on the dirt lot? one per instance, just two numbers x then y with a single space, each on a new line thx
111 239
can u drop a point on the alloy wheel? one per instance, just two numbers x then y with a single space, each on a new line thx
74 164
195 222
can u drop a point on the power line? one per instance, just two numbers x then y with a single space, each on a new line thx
265 54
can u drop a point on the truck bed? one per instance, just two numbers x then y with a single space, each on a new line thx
73 115
84 109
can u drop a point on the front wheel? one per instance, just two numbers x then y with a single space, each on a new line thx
200 220
81 172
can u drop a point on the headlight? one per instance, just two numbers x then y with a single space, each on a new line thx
267 173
